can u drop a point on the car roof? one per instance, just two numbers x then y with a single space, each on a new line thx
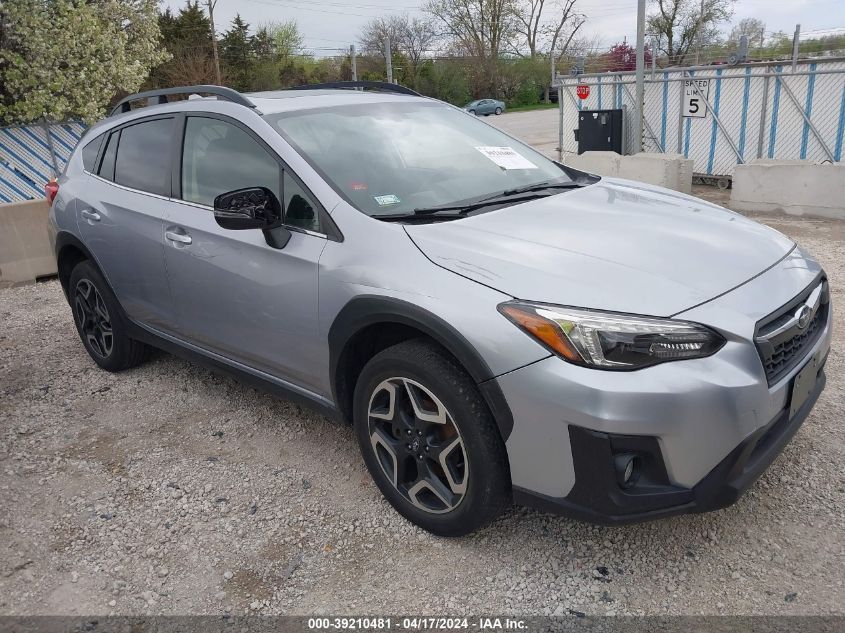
268 102
275 101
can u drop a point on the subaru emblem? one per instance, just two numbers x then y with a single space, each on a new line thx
804 317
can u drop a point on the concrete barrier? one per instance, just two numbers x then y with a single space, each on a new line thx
672 171
25 252
797 187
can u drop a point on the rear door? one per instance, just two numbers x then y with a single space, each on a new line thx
236 295
121 215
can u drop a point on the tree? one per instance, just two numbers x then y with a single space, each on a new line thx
753 29
377 31
68 58
287 40
409 37
417 38
187 37
480 28
681 24
622 57
540 25
236 52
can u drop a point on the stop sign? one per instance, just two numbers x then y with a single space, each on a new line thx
583 91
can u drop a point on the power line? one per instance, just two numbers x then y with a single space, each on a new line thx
298 6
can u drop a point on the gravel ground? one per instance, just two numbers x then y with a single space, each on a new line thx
168 489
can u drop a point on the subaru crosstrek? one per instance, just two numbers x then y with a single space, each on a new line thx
496 326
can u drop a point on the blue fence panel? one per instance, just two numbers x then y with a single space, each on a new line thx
28 159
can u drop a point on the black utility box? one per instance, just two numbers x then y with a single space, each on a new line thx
599 131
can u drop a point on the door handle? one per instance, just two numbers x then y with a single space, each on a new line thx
181 238
90 215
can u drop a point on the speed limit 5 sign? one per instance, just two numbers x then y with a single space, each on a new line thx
695 92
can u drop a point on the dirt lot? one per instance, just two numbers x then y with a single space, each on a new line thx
168 489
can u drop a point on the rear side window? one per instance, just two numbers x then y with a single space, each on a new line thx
143 158
107 165
89 154
219 157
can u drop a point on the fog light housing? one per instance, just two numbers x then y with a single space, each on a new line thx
627 469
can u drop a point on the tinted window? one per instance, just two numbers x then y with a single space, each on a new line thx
107 165
220 157
143 161
89 153
300 211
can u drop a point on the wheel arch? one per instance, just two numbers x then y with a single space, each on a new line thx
368 324
69 252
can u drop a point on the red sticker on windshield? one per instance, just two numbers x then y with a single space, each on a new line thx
358 186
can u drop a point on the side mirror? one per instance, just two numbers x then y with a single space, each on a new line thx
250 208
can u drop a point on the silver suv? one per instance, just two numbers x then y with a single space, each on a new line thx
496 326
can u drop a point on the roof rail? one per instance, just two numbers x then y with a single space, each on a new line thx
160 94
374 85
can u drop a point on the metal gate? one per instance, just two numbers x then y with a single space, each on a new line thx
757 110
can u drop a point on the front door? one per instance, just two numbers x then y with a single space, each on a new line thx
237 296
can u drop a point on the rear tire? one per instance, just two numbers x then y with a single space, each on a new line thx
99 321
429 440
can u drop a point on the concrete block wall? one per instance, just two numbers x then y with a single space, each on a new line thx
25 252
797 187
672 171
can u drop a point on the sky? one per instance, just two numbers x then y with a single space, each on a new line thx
335 24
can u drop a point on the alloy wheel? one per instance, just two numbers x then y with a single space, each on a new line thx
93 318
418 445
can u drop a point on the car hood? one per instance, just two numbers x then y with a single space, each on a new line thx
613 245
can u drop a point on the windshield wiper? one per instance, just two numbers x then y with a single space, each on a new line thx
542 186
506 196
463 209
413 215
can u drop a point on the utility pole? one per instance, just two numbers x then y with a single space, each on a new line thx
638 128
353 62
795 46
388 57
700 33
211 4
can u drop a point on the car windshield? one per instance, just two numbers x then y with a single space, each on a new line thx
391 158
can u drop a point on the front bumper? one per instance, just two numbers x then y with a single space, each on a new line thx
712 425
597 497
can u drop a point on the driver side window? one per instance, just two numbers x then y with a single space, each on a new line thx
218 157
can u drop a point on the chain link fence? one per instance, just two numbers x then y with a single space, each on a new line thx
30 155
726 115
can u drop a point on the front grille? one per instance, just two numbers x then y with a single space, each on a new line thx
783 351
784 355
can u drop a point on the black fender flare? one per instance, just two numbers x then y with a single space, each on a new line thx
65 239
367 310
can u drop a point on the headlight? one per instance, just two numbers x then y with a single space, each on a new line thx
607 340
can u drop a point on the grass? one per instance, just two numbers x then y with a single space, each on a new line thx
533 106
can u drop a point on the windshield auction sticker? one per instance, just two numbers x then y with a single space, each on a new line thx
506 158
386 200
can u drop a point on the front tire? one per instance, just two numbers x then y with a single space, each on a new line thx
429 440
99 321
498 111
473 113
